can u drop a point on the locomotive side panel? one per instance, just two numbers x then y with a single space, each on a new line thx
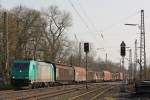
45 72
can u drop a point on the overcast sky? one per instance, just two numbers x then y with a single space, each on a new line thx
91 18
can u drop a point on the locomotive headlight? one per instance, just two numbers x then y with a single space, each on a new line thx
13 77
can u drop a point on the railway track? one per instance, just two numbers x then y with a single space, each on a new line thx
64 95
39 93
60 95
5 91
101 93
92 94
47 94
12 94
53 92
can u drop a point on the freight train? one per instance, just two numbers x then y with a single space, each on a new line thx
43 74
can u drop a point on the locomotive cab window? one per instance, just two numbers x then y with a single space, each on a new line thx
21 66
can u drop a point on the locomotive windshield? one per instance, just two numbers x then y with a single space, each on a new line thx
21 66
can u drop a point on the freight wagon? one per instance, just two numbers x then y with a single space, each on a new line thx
96 76
80 74
90 76
64 74
107 75
113 77
119 76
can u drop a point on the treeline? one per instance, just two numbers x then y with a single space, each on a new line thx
33 34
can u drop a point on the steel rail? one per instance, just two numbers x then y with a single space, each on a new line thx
101 93
78 96
48 94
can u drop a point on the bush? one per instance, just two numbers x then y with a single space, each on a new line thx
5 86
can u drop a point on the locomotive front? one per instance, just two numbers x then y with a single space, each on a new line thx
20 73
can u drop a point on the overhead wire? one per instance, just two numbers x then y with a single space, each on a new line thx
81 18
93 25
117 23
107 28
90 21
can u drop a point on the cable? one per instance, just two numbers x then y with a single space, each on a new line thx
87 26
118 22
114 24
91 22
81 18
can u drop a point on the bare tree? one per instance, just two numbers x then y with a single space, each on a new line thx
58 23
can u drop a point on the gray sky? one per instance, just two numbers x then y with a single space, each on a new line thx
102 16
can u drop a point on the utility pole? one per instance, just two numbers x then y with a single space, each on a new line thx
79 59
106 58
6 45
79 53
106 61
142 60
0 3
135 59
86 71
34 50
71 60
130 65
120 69
142 48
123 70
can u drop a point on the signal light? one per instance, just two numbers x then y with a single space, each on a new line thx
123 49
86 47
